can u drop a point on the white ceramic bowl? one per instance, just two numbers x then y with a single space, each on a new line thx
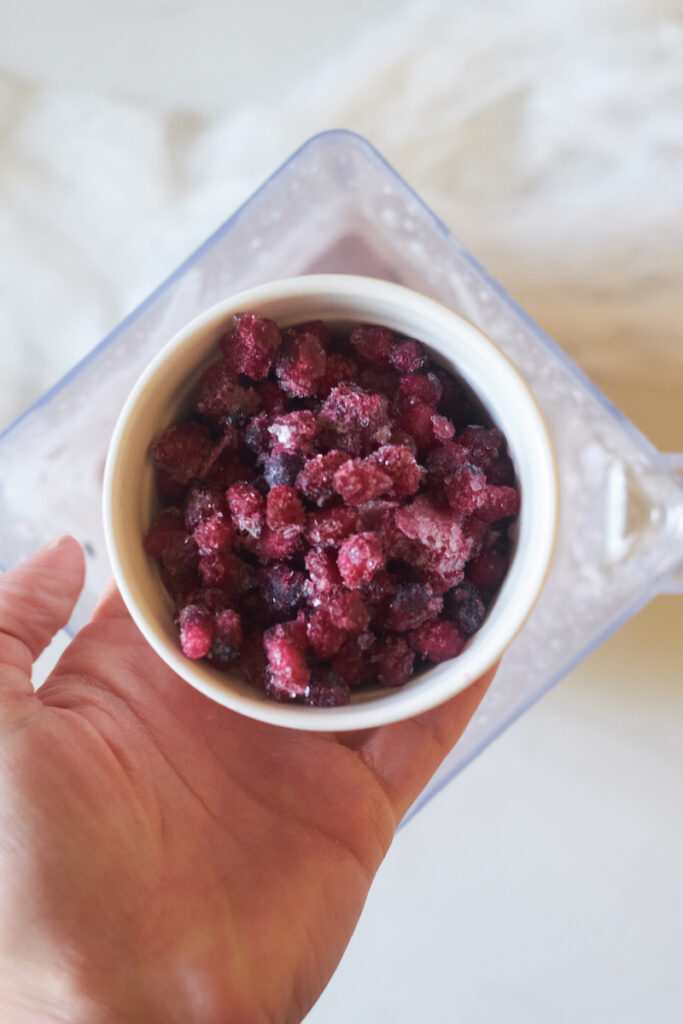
161 395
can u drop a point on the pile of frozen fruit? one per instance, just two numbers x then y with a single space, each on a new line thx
336 511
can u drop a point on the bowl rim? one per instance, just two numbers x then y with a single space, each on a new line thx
437 684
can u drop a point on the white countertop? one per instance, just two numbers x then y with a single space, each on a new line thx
546 883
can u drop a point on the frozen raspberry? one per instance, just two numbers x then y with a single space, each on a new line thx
408 356
213 534
360 557
322 570
300 366
483 445
315 481
252 661
358 482
420 387
347 609
440 532
443 461
412 605
469 494
252 345
437 641
196 628
339 369
275 544
353 662
323 635
373 343
284 510
221 398
393 661
247 508
326 690
281 590
417 421
182 450
226 570
294 431
256 434
281 467
164 531
399 463
442 428
357 420
330 526
287 674
312 327
464 606
488 570
227 638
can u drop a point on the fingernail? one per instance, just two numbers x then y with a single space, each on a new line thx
55 542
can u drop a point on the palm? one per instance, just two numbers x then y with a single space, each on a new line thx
220 862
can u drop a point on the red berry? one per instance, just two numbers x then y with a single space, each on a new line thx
252 345
373 343
408 356
358 482
326 690
420 387
411 606
227 638
330 526
360 557
315 481
288 674
222 398
247 508
347 610
300 365
214 534
353 662
399 463
437 641
393 661
488 570
182 450
323 635
284 510
195 627
166 528
294 431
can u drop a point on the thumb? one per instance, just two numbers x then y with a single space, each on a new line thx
36 600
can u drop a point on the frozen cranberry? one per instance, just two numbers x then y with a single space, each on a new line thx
442 428
226 570
408 356
411 606
323 635
288 674
377 593
439 531
444 460
347 609
322 569
464 606
281 467
196 628
488 570
294 431
284 510
330 526
339 369
247 508
326 690
227 638
165 529
252 345
420 387
315 481
358 481
360 556
276 544
222 398
182 450
417 421
399 463
353 662
273 398
281 590
213 534
256 434
300 365
469 493
483 445
226 470
315 327
358 420
437 641
373 343
393 661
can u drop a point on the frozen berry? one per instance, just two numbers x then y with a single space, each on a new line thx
373 343
196 628
339 369
281 590
360 481
252 345
417 421
281 467
165 529
247 508
227 638
213 534
444 460
226 570
408 356
300 365
437 641
221 398
353 662
360 557
284 510
322 569
483 445
294 431
488 570
323 635
420 387
330 526
347 610
278 544
326 690
252 662
442 428
256 434
182 450
399 463
469 493
288 674
411 606
464 606
315 481
393 661
315 327
357 420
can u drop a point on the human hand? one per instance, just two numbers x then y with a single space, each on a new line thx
164 859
